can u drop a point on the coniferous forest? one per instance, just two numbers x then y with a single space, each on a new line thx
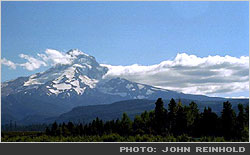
178 123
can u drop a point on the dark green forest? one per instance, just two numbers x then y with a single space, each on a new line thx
177 123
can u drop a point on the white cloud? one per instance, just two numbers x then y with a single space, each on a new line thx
32 63
56 57
238 97
50 57
211 75
191 74
8 63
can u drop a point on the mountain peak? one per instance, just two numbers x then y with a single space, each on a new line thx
81 57
76 52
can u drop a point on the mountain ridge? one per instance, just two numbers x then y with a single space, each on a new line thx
79 82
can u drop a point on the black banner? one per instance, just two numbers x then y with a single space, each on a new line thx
124 148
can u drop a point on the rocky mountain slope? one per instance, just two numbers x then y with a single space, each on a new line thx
79 83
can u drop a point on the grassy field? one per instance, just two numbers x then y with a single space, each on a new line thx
42 137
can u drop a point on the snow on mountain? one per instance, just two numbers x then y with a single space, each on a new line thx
83 76
80 81
83 73
125 88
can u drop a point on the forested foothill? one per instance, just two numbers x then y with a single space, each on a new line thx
176 123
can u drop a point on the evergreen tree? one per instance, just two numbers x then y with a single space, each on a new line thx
80 129
59 130
108 127
125 125
172 107
179 123
117 126
247 114
65 130
146 126
47 131
209 122
138 125
193 116
181 120
160 117
228 118
54 129
71 128
242 117
241 122
99 126
86 129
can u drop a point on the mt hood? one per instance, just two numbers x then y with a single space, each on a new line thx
65 86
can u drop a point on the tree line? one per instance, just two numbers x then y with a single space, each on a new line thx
175 121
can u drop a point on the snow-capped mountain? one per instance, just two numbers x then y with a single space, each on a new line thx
83 76
78 83
83 73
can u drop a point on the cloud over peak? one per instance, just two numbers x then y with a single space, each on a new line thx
211 75
56 57
32 63
190 74
50 57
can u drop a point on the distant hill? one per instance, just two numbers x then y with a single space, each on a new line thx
115 110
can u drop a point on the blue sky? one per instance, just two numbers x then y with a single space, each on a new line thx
124 33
